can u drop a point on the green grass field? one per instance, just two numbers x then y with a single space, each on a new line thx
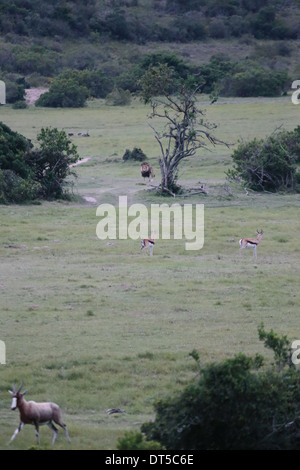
92 324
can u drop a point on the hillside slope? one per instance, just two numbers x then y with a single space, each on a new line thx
39 39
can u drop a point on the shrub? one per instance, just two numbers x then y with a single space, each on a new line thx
212 73
13 147
217 29
129 79
37 59
136 154
64 93
97 83
72 87
51 162
19 105
27 173
252 80
234 405
14 189
171 60
186 28
15 88
118 97
136 441
270 164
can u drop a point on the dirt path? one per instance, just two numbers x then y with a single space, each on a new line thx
86 198
83 160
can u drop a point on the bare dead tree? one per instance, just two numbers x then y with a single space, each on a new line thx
185 131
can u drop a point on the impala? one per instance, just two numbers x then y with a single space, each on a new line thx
252 242
148 243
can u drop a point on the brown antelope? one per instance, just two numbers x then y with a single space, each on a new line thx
147 171
36 414
252 242
148 243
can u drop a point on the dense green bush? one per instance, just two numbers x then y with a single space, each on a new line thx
136 441
35 59
181 69
255 82
27 173
71 88
51 162
136 154
14 189
234 405
212 73
63 93
270 164
19 105
97 82
13 147
15 87
186 28
129 79
265 25
244 78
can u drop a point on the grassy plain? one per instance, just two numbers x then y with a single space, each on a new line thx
93 324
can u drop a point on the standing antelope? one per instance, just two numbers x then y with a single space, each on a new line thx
36 414
148 243
253 242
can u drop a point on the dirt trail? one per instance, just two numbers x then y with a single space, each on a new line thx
79 162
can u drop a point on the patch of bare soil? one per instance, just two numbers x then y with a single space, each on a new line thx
32 94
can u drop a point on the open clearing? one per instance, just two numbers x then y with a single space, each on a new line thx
92 324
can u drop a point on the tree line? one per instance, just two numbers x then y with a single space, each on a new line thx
130 20
71 87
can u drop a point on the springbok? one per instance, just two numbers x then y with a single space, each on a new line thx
148 243
252 242
147 171
36 414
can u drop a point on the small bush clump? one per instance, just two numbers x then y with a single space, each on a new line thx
136 154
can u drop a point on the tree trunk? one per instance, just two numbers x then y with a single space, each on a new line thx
167 177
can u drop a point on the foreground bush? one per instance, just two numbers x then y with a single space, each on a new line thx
136 441
234 404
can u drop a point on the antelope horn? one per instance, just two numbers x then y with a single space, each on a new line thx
14 388
20 388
